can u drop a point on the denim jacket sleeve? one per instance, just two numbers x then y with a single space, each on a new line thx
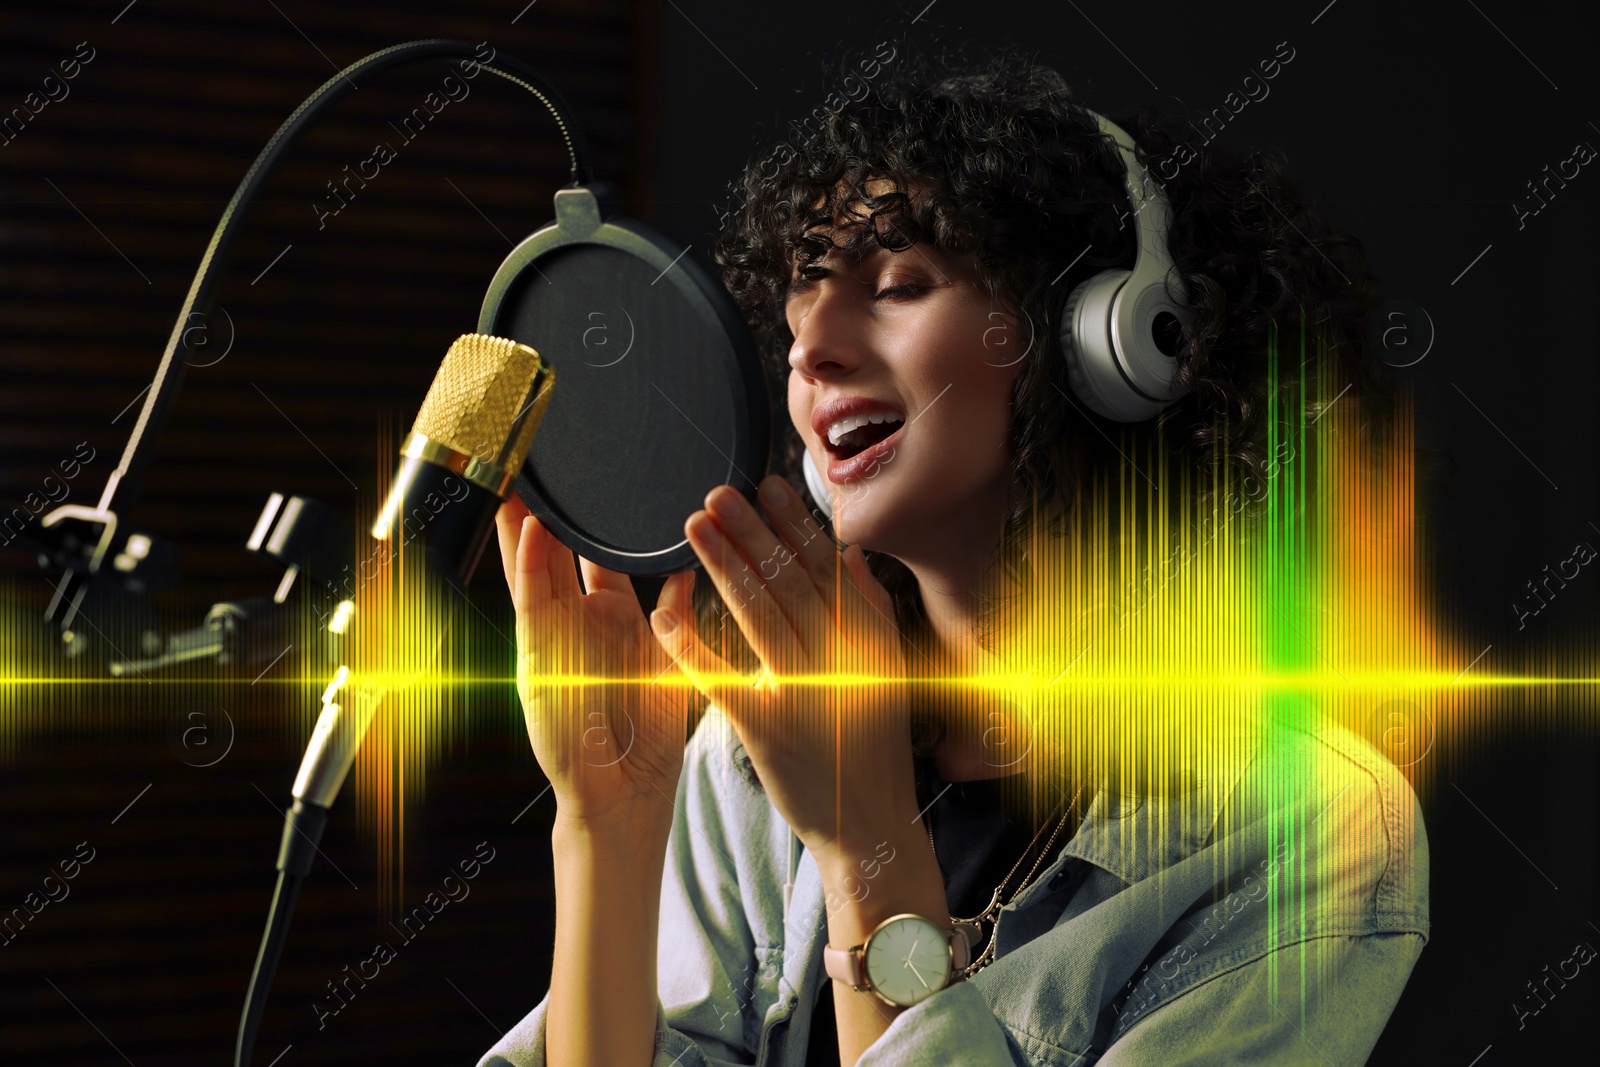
701 1021
1273 1009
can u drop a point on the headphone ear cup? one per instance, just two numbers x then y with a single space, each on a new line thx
1096 370
1086 341
817 485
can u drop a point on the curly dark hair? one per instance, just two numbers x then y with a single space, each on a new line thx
999 157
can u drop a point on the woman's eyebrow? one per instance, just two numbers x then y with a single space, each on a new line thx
804 280
815 272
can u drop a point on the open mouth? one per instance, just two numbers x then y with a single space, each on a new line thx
850 437
858 448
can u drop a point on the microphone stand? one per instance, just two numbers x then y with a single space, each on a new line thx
303 535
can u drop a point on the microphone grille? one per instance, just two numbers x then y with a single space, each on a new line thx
484 385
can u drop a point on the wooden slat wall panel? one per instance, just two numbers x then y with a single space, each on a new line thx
343 334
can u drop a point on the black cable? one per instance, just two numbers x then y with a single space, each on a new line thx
302 829
272 942
124 483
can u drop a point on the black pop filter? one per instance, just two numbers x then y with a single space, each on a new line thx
659 395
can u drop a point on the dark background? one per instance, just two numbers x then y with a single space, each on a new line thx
1414 129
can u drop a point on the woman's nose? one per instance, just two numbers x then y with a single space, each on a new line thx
828 344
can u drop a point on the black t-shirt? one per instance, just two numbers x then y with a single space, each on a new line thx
980 828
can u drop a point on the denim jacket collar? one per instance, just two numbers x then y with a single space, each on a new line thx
1133 833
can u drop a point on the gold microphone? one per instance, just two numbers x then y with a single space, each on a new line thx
459 463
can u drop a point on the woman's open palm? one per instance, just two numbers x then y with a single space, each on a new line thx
827 723
605 708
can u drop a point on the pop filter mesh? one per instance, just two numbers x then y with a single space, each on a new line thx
642 422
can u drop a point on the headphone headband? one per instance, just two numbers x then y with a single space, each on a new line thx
1119 329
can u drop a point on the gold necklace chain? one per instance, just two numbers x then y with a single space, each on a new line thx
991 913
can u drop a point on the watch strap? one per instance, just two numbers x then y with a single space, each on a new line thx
960 951
844 965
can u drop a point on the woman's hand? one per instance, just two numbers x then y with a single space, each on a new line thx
605 718
826 720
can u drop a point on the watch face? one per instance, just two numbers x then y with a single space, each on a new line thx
908 960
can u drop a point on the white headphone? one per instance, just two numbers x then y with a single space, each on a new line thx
1119 328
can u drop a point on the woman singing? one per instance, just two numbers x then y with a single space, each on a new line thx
850 863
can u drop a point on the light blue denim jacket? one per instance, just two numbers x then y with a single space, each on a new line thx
1271 917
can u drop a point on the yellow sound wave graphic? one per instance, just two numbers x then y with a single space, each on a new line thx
1169 623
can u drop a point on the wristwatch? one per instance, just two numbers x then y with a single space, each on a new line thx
905 959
